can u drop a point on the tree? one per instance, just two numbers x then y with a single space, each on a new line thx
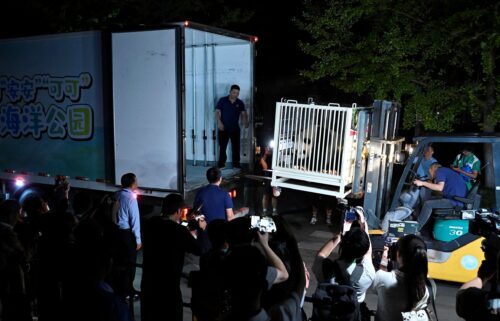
19 18
439 58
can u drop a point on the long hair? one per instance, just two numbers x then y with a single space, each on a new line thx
413 252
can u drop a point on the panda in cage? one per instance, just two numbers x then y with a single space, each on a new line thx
315 148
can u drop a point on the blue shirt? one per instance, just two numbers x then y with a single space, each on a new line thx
423 168
214 201
230 113
454 185
128 216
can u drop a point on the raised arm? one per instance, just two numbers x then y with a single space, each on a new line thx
274 259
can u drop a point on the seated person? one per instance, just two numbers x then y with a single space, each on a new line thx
423 173
427 161
467 165
446 181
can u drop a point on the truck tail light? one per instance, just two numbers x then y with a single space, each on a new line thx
20 182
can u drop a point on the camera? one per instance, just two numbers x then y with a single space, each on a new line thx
397 229
350 215
262 224
487 225
193 219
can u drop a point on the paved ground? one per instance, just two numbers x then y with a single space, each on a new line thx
310 239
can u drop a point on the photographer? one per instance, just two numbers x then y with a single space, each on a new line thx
406 288
478 298
247 279
165 244
355 261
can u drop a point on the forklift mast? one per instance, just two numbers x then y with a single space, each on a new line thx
384 148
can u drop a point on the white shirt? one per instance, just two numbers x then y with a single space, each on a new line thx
361 286
392 296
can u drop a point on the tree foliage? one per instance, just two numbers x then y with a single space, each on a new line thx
440 58
20 18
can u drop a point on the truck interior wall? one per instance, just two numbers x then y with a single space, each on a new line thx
212 64
145 104
51 105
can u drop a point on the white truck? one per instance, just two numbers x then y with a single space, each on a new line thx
94 105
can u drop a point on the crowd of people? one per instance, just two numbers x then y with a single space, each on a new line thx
62 260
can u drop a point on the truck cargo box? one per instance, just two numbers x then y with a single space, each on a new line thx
95 105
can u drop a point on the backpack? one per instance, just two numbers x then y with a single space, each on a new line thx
337 302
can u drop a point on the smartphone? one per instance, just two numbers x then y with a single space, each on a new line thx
350 216
262 224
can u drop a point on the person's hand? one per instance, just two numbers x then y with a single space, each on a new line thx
361 219
138 247
347 226
263 238
385 259
418 182
455 168
221 126
45 207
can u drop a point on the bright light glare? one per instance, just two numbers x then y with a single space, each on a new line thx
271 143
135 195
20 182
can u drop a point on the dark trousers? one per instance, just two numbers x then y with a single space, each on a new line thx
224 138
429 206
161 302
126 257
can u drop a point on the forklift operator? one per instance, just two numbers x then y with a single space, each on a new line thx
447 181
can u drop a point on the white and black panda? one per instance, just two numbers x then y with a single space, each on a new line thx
315 148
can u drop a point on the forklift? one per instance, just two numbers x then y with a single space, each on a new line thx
350 152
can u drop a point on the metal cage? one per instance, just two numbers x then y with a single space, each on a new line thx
316 147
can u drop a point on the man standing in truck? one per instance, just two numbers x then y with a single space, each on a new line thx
227 114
